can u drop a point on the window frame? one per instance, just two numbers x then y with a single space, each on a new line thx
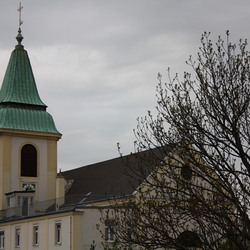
17 237
36 235
28 161
2 239
189 239
58 233
109 231
186 172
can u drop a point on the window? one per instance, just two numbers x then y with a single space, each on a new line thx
23 199
19 199
130 230
24 202
17 237
58 233
1 239
35 235
28 161
25 206
188 239
11 201
109 231
186 172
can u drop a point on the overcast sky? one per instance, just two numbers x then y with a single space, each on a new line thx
96 61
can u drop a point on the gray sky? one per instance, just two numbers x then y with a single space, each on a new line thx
96 61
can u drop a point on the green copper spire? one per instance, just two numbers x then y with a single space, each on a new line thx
19 83
20 104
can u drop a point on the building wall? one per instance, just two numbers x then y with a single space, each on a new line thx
92 229
5 175
79 231
70 231
41 180
10 157
51 168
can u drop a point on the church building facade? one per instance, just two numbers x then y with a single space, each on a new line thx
31 191
39 207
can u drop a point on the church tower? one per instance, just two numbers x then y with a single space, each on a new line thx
28 136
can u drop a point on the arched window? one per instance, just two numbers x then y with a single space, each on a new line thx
28 161
188 239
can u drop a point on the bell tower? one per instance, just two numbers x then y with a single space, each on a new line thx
28 136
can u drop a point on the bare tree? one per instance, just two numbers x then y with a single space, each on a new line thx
197 194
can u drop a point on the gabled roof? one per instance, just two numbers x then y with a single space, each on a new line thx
112 178
99 180
20 104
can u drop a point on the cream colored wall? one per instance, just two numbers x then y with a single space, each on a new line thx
91 227
11 142
76 237
79 230
40 181
5 175
46 232
52 168
10 167
66 232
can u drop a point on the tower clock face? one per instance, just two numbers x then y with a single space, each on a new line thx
29 187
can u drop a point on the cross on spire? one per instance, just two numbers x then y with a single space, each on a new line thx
20 14
19 35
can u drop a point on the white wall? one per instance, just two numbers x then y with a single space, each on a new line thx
46 233
79 230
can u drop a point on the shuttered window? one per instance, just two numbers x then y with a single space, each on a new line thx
29 161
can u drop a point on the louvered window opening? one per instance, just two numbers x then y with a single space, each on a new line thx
29 161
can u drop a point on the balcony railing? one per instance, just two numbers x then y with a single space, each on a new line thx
48 206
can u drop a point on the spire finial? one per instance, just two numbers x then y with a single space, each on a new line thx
19 37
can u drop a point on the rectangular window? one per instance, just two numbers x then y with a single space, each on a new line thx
109 231
1 239
11 201
58 233
19 200
17 237
25 206
8 201
35 235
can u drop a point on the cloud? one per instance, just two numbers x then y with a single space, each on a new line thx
95 62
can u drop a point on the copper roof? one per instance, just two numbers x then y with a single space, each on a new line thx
20 105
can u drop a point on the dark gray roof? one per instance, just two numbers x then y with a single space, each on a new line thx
112 178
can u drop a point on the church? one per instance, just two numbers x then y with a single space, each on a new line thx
41 208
